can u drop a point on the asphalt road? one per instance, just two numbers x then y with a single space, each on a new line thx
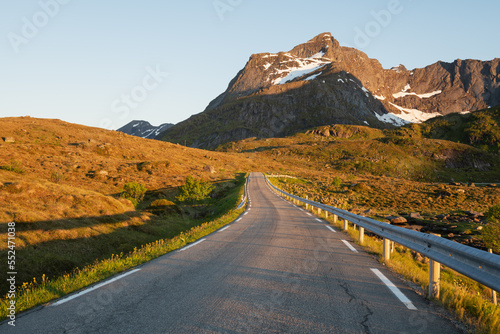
276 269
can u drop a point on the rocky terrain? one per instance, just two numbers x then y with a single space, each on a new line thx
320 82
144 129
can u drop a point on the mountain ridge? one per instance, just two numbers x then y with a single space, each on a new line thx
144 129
321 82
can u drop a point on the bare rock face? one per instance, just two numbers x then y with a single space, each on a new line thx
320 83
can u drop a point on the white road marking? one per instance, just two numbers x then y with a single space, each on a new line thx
319 220
246 213
394 289
237 220
81 293
191 245
330 228
307 213
350 246
223 229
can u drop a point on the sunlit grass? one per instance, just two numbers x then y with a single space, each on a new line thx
37 292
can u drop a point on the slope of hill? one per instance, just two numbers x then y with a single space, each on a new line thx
144 129
61 184
480 129
320 82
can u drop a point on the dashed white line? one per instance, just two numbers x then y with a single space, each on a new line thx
319 220
223 229
191 245
81 293
330 228
307 213
350 246
394 289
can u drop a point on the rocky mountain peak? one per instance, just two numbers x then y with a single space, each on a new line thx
323 44
320 82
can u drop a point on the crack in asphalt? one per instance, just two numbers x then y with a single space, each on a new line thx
368 313
366 317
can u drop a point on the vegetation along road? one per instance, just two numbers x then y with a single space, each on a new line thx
275 269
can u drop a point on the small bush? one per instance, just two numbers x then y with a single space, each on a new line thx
15 167
337 182
194 190
491 232
134 192
57 177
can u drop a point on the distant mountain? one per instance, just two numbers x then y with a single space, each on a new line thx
144 129
320 83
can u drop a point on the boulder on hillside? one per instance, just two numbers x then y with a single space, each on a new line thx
396 219
9 139
415 216
209 169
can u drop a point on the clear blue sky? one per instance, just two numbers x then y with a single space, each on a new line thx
105 63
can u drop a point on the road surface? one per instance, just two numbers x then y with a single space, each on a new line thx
276 269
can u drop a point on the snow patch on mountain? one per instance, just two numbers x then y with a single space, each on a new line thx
302 66
314 76
422 96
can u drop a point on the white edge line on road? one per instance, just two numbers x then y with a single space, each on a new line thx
394 289
191 245
319 220
237 220
81 293
330 228
350 246
223 229
307 213
245 213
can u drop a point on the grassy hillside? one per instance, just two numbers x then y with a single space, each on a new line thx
61 184
358 151
480 129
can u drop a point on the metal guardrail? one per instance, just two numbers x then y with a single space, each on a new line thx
477 264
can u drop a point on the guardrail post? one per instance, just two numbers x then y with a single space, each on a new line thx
319 211
387 249
335 218
493 292
326 214
361 235
307 205
346 224
434 279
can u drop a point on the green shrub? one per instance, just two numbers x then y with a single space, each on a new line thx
491 232
134 192
194 190
337 182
